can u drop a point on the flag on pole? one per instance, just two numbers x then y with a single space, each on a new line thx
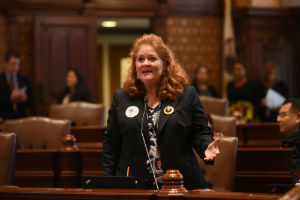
228 33
229 51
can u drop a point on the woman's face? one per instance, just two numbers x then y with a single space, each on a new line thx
202 75
238 72
149 66
71 80
271 76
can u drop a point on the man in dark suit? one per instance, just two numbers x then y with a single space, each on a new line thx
15 90
289 120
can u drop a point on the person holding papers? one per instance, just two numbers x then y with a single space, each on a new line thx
15 89
156 120
272 93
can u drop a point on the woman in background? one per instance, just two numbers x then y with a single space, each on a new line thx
201 82
75 89
270 79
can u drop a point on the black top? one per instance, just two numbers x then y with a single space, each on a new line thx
152 118
211 91
294 139
7 110
177 133
290 139
246 92
266 114
78 95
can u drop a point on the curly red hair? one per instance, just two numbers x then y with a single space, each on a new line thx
173 77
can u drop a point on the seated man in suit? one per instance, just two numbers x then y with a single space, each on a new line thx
15 90
289 119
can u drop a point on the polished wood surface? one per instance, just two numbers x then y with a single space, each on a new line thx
88 136
36 168
258 169
252 134
263 169
259 134
54 168
19 193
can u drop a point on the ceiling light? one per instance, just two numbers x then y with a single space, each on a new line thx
109 24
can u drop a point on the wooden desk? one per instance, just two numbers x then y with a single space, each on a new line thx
257 169
88 136
263 169
54 168
259 134
18 193
252 134
36 167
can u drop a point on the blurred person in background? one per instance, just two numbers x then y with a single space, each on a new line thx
270 79
201 82
75 89
242 94
15 89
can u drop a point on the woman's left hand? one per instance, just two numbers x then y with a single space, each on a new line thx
212 150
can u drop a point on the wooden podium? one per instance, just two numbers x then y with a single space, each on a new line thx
172 189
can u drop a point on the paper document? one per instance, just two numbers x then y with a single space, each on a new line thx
274 99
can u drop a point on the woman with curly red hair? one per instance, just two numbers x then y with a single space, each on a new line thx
156 117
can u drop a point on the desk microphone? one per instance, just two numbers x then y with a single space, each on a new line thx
145 145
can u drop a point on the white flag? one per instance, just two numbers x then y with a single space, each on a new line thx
228 33
229 52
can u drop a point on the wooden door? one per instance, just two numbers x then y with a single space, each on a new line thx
62 43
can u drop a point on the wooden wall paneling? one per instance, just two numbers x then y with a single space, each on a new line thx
195 8
159 22
20 39
197 40
120 8
194 33
3 39
269 35
42 7
62 43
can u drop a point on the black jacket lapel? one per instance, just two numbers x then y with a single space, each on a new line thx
163 118
139 103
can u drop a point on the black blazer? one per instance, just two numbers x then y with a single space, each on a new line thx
81 95
6 106
177 134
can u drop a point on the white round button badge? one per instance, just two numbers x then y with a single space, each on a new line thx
132 111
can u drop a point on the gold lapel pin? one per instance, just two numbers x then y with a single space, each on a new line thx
168 110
